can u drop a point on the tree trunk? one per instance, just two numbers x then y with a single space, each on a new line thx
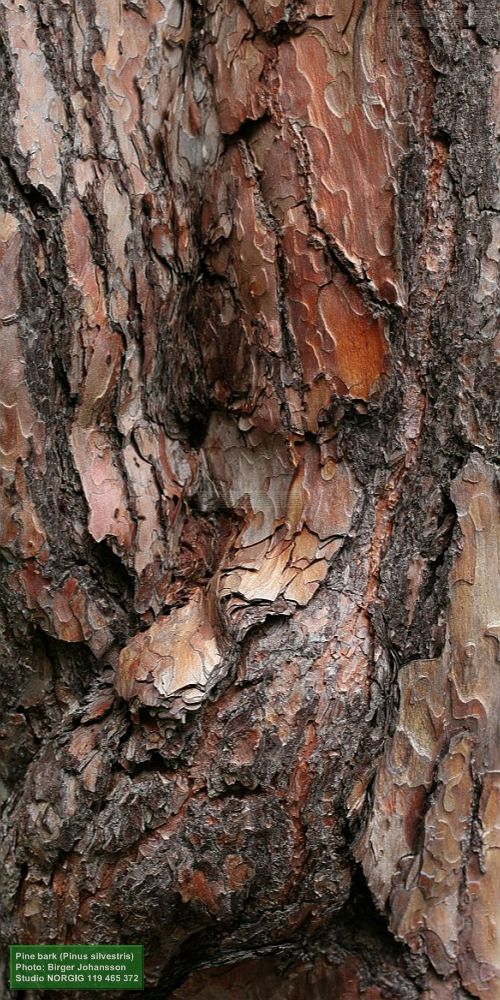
249 610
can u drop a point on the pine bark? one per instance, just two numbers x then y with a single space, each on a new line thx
250 616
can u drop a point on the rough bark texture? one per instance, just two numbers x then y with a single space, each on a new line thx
249 606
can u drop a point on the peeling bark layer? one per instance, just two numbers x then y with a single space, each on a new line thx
440 766
247 438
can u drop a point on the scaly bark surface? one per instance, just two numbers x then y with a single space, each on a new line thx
249 608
